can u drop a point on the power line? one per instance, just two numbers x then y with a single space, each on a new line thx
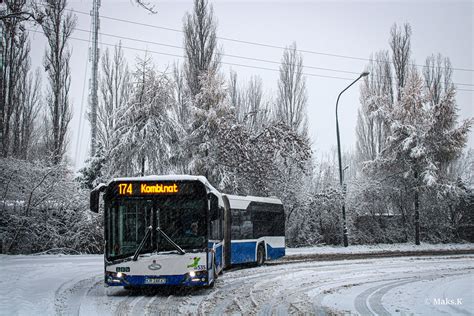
226 63
180 56
236 56
256 43
221 54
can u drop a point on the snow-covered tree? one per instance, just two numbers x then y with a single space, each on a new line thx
210 109
408 139
424 138
208 123
145 127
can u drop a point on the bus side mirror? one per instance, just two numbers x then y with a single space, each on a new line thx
94 197
213 207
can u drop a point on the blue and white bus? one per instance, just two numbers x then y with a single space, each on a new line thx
179 230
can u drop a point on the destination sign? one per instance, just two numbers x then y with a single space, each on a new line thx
129 188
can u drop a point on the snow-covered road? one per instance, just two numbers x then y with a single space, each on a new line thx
48 285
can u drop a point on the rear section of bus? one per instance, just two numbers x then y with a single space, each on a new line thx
257 229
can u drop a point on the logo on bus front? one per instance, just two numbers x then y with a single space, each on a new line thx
154 266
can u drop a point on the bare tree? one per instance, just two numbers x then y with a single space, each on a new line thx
27 101
257 110
401 50
200 45
17 68
115 89
15 83
31 109
437 74
181 95
13 54
292 95
58 26
235 96
376 96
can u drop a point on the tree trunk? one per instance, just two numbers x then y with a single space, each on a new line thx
417 212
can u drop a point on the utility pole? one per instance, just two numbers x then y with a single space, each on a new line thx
341 182
94 58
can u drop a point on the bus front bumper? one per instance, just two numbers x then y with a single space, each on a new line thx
200 278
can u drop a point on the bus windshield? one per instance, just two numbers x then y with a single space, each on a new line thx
181 218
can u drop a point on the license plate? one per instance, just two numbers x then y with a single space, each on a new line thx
155 281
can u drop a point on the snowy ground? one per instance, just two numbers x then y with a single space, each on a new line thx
356 249
48 285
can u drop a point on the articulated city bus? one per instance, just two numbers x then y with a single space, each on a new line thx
179 230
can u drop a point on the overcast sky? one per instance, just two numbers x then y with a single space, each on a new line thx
349 28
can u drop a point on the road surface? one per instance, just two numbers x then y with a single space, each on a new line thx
72 285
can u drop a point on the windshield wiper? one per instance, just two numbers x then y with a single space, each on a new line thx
175 245
142 243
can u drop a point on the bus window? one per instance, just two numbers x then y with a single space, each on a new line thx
217 226
268 219
246 230
127 225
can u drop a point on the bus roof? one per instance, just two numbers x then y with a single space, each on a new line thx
242 202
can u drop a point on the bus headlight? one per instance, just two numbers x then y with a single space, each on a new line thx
114 277
196 276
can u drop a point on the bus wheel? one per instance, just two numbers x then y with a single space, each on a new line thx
260 255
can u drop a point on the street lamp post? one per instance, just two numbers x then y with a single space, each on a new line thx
346 242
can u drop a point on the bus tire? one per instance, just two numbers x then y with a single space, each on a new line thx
260 255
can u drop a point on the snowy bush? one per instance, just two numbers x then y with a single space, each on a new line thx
44 208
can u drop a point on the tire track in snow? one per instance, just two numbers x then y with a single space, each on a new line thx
294 295
255 299
263 290
364 302
369 302
125 307
267 289
239 293
68 300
